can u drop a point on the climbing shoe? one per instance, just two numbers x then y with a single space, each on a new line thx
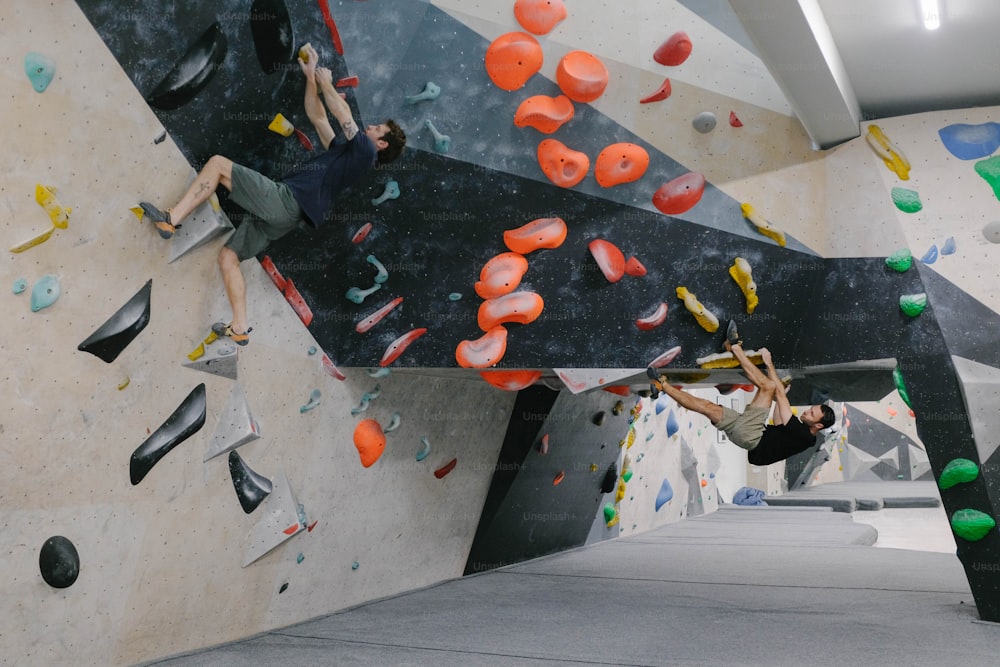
732 335
159 218
222 329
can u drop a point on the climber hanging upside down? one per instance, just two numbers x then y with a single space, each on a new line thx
765 444
300 199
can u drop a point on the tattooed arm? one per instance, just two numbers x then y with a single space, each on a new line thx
335 103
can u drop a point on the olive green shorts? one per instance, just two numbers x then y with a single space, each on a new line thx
744 429
275 212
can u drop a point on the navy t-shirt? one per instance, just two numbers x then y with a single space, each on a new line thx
318 182
781 441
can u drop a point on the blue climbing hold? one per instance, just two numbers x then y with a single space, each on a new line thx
665 494
672 425
45 292
20 285
949 246
40 70
931 255
971 142
662 403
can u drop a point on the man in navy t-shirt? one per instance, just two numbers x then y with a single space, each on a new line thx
765 444
303 197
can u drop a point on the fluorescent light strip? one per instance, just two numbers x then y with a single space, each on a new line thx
931 14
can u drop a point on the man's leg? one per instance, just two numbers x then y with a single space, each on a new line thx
703 407
236 291
765 386
217 171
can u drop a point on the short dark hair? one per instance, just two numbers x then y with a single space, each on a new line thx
829 418
396 139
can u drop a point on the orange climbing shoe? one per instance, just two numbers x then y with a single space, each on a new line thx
159 218
223 329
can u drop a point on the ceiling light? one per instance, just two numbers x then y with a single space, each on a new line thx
931 14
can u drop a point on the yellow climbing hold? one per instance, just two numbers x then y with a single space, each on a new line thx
630 438
32 242
211 338
593 467
197 353
137 210
727 360
124 383
741 273
620 494
892 156
45 195
304 52
705 318
762 225
281 125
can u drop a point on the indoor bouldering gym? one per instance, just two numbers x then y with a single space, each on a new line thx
500 334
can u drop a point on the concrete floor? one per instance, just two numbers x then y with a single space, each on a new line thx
741 586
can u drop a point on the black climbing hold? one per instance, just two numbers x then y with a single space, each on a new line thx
610 478
59 562
108 341
272 32
192 72
251 487
284 587
182 424
598 418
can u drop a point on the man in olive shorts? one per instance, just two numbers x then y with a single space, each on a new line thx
765 444
300 199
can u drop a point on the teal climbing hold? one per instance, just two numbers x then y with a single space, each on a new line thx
40 70
382 274
958 471
425 450
45 293
900 261
454 296
972 525
358 295
913 304
391 192
897 377
313 401
431 91
393 423
300 558
20 285
312 350
355 565
907 201
442 142
665 494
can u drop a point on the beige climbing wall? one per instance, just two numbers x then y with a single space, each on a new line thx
161 562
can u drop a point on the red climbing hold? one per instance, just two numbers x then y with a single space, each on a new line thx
446 468
734 121
511 380
331 369
581 76
376 317
289 291
512 59
543 446
656 319
398 346
620 163
558 478
483 352
517 307
634 268
539 16
666 357
562 165
303 139
347 82
291 530
545 114
362 233
680 194
618 390
661 93
537 234
609 259
369 440
334 33
674 51
501 275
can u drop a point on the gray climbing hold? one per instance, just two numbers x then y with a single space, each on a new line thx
704 122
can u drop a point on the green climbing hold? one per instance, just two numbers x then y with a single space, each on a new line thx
989 169
609 513
900 261
907 201
913 304
627 475
971 525
897 377
958 471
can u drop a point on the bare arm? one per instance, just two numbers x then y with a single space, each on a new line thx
783 410
313 105
335 103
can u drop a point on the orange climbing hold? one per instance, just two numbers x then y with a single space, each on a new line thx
370 441
609 259
501 275
680 194
537 234
398 346
674 51
734 119
483 352
539 16
620 163
519 307
562 165
446 468
512 59
545 114
581 76
511 380
558 478
661 93
634 268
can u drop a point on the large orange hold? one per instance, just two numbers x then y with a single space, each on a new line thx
680 194
537 234
609 258
483 352
545 114
501 275
674 51
370 441
511 380
581 76
539 16
620 163
562 165
512 59
519 307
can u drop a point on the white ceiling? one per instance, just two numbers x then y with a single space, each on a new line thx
843 61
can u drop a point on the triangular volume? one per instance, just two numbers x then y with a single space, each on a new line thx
279 522
108 341
980 384
857 462
891 458
203 225
220 358
919 463
236 425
